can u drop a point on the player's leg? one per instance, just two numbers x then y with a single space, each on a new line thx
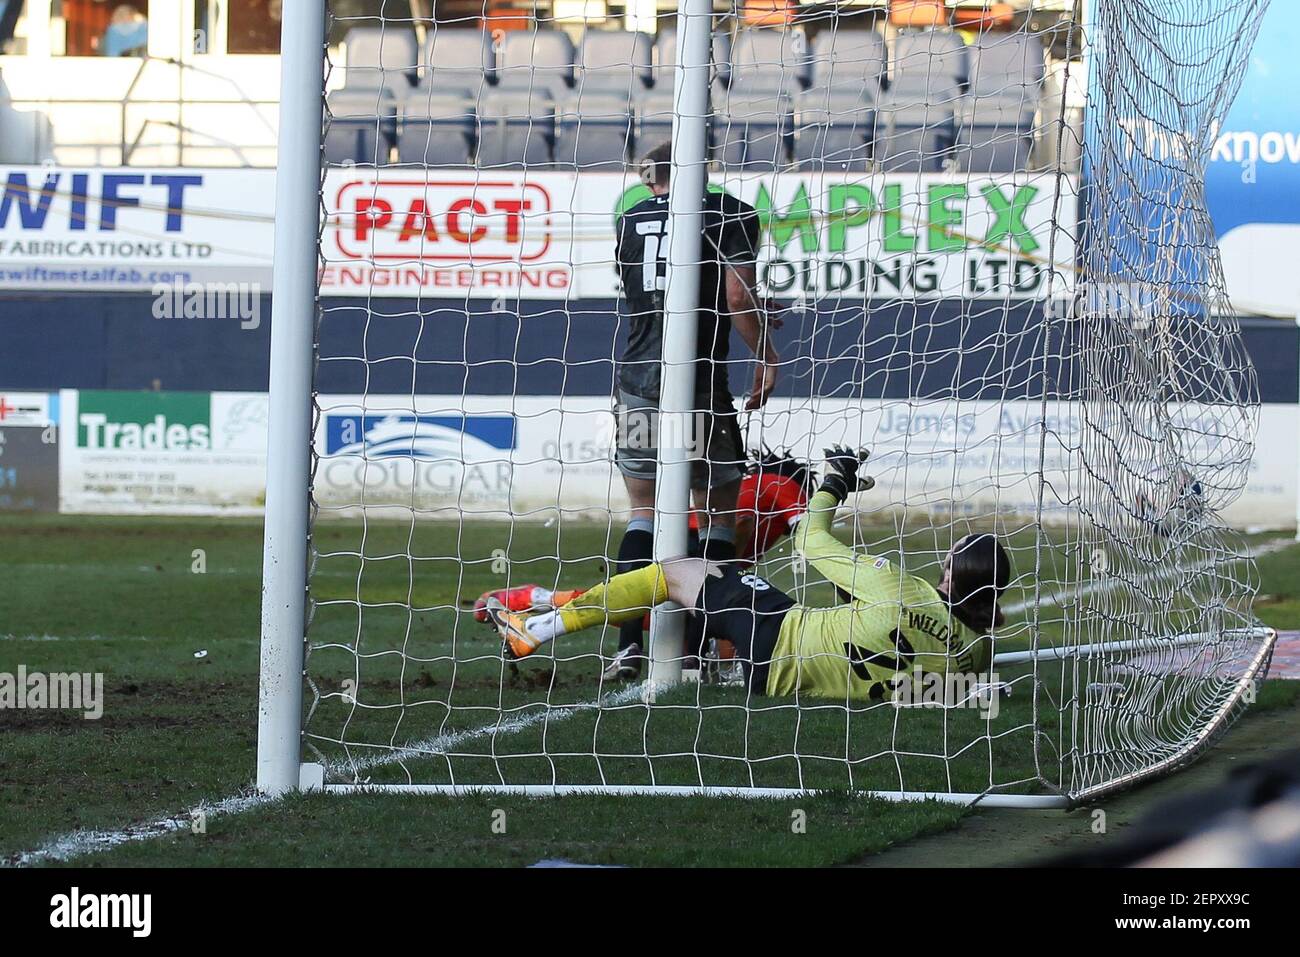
635 551
717 471
625 597
527 597
637 457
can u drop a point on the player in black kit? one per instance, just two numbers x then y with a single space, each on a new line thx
728 299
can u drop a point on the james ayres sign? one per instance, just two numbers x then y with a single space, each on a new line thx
457 234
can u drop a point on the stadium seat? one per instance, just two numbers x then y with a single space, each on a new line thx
768 60
613 61
381 57
436 129
914 138
848 62
835 118
1006 66
839 135
362 126
995 120
994 136
754 96
653 121
915 123
516 128
536 61
665 58
457 58
930 66
593 130
752 133
654 109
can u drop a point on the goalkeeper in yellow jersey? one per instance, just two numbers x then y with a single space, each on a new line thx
892 625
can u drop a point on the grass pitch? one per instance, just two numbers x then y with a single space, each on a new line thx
409 688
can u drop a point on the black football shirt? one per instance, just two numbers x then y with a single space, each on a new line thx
731 238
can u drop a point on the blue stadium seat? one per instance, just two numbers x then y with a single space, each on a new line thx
593 131
768 59
848 62
930 66
1007 66
835 118
665 58
516 129
362 126
995 120
654 109
839 135
754 104
381 57
914 138
457 58
436 129
753 132
915 122
614 61
594 121
653 120
994 136
536 61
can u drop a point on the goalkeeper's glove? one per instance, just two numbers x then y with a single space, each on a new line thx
841 472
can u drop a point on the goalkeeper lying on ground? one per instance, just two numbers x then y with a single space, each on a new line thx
893 622
773 497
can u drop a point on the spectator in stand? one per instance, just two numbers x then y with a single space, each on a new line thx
127 33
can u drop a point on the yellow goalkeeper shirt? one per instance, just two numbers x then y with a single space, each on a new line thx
896 623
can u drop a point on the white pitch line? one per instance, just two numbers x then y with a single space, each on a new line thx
79 843
12 637
443 743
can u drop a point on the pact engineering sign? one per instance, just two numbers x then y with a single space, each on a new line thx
445 233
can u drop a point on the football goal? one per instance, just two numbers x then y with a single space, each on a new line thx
570 298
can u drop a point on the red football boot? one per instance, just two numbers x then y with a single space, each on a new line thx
519 598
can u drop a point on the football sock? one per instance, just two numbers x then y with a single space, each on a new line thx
623 598
563 596
719 544
636 551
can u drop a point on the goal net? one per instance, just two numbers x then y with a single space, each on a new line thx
976 243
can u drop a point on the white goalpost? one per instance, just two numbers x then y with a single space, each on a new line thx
680 336
983 253
289 426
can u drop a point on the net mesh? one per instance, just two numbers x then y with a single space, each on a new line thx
981 252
